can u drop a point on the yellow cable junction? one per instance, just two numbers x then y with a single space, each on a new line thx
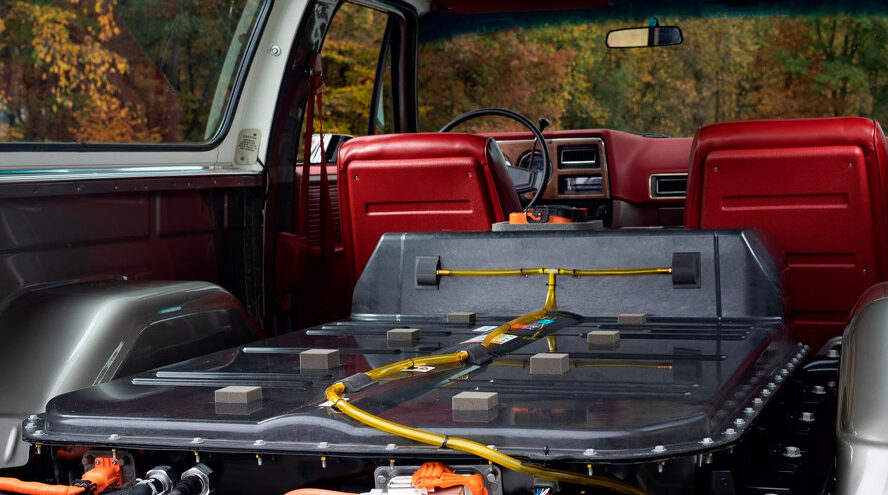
336 393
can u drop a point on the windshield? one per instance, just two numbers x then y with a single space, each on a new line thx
736 66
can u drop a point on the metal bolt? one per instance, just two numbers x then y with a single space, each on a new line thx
38 433
706 441
749 411
32 417
807 417
259 443
491 477
757 401
391 446
730 432
30 426
818 390
659 449
778 378
772 385
833 354
323 445
831 385
792 452
114 437
589 452
739 422
766 393
380 480
274 50
784 372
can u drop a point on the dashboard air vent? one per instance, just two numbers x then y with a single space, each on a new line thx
578 157
669 185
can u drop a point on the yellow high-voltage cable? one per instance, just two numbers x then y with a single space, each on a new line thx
336 393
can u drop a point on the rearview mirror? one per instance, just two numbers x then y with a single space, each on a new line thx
644 37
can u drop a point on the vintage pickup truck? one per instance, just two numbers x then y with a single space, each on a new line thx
443 246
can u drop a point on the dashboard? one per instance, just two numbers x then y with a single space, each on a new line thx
625 179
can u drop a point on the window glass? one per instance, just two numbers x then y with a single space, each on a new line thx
384 120
350 57
125 71
812 59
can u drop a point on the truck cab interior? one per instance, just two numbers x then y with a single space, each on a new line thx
450 247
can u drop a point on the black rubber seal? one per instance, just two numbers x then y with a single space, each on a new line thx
356 382
478 354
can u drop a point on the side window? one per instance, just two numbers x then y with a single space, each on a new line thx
120 72
353 53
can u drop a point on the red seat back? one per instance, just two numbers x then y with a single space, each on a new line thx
817 186
419 183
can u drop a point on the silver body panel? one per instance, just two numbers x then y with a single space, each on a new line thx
863 398
65 337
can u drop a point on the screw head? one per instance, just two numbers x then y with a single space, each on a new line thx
749 410
833 354
491 477
730 432
391 446
323 445
197 440
766 393
589 452
113 437
658 449
259 443
792 452
738 422
707 441
807 417
274 50
818 390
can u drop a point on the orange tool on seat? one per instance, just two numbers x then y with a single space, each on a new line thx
433 475
549 214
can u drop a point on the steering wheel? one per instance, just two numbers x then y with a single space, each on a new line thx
523 179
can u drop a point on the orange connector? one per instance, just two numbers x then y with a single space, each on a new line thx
433 475
106 474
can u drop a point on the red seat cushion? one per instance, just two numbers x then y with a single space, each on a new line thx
419 183
816 185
